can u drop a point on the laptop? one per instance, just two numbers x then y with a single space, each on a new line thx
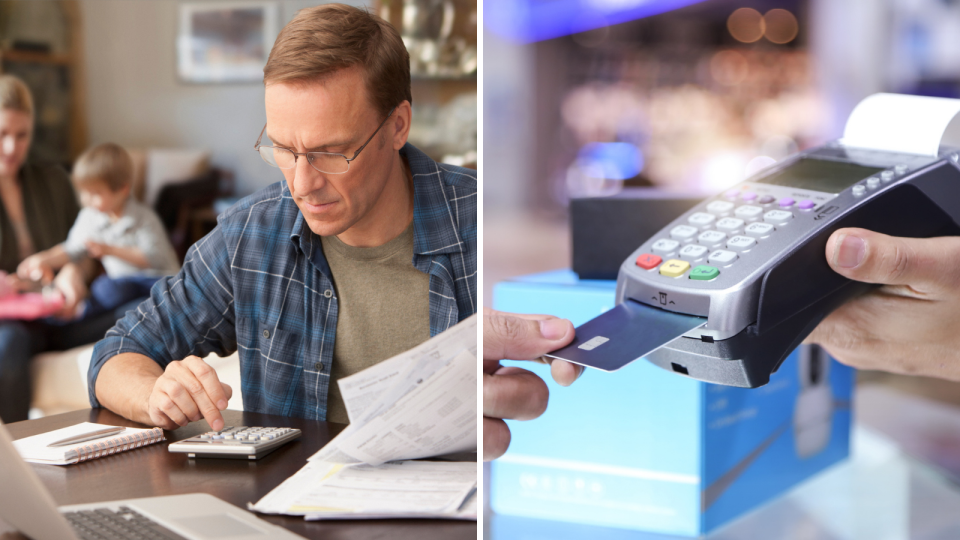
26 505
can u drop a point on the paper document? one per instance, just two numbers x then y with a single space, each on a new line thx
418 404
323 490
901 123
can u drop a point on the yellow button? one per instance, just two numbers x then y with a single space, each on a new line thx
674 268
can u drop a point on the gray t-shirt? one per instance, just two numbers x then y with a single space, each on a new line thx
384 308
138 228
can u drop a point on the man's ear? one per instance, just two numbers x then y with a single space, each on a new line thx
400 124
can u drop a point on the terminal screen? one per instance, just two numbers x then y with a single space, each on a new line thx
819 175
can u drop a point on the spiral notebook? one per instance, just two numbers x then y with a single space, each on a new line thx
35 449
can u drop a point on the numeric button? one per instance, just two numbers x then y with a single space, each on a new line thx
722 257
759 230
721 208
712 239
730 225
701 219
674 268
748 212
684 233
665 246
778 217
741 243
693 252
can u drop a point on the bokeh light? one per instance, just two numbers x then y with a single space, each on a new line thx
746 25
729 67
780 26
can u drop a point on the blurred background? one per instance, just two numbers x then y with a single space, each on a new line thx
180 85
584 98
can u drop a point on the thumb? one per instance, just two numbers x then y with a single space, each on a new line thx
515 337
227 390
870 257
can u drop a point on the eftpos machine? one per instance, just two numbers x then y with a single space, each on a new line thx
730 288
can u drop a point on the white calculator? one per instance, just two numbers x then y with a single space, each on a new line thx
236 442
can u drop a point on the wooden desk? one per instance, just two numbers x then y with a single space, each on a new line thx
152 471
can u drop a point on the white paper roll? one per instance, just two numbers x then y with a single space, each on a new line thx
902 123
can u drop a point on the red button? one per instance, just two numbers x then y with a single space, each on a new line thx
648 261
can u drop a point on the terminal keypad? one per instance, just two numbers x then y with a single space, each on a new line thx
693 252
716 238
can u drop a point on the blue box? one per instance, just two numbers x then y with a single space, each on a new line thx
647 449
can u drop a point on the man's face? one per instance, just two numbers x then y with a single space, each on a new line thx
333 115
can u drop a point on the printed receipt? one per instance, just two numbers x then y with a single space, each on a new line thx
901 123
420 403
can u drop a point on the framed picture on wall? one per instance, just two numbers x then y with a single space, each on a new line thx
225 42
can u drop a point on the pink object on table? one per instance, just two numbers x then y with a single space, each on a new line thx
30 306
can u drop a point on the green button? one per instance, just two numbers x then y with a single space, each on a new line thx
704 273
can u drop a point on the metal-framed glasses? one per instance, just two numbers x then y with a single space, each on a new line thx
325 162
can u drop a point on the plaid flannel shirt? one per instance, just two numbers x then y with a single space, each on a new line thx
259 283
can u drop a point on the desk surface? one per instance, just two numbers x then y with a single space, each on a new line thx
152 471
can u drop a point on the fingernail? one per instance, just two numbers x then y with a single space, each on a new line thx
553 329
221 404
850 252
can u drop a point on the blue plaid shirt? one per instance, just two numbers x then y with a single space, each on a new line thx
259 283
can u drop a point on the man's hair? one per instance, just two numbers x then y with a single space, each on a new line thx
326 38
15 95
108 163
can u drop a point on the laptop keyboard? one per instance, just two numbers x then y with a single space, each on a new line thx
105 524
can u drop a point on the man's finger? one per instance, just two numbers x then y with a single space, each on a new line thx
924 264
565 373
507 336
208 377
200 380
514 393
496 438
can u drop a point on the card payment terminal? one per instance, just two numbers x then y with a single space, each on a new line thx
725 292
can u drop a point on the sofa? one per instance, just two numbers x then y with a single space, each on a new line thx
60 378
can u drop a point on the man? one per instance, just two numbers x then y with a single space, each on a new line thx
367 249
909 325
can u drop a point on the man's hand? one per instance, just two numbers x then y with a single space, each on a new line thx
514 393
187 391
910 325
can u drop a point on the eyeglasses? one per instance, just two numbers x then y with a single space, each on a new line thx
325 162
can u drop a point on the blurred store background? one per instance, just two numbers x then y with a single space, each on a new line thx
179 84
589 97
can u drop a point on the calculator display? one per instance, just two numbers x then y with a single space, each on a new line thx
819 175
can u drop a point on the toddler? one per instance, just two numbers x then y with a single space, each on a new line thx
125 235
